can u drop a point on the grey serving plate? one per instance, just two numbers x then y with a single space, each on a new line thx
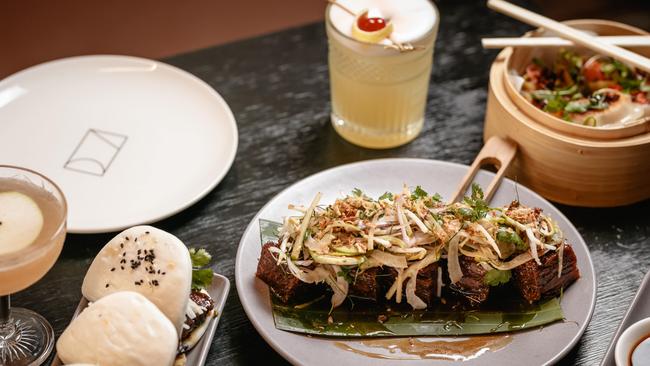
639 309
195 357
540 346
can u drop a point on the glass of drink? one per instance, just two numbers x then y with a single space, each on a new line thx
33 215
379 86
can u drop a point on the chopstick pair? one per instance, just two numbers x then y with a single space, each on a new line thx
571 34
621 41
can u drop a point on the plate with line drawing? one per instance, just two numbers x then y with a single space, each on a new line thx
129 140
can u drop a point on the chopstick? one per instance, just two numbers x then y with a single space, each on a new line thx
621 41
571 34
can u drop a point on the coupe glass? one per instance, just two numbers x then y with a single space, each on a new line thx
26 338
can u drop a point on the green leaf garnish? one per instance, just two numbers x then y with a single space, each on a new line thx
477 202
507 235
419 193
386 196
357 192
495 277
200 257
201 277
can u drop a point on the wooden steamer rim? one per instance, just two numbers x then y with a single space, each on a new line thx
565 168
517 59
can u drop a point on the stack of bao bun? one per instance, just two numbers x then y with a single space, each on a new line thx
142 309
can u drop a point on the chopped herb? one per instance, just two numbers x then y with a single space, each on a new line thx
357 192
419 193
477 202
495 277
386 196
507 235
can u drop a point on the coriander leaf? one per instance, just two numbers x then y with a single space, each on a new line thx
386 196
419 193
477 202
495 277
507 235
200 257
201 278
357 192
436 197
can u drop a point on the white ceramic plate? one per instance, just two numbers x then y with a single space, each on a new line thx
128 140
533 347
218 290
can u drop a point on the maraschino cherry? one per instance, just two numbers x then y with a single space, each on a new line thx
369 22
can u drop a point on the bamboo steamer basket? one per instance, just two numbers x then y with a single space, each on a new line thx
564 162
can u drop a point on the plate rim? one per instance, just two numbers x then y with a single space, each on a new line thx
240 284
182 75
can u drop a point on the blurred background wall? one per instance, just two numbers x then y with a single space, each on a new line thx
34 31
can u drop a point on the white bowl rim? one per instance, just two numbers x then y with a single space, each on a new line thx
628 339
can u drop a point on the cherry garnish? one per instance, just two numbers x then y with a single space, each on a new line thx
370 24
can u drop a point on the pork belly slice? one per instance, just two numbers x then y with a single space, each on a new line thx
365 284
535 282
206 304
281 282
425 284
472 285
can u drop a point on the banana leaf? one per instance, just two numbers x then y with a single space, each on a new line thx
360 318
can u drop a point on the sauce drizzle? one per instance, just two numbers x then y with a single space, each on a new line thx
451 349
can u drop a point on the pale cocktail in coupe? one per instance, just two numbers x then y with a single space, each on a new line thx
380 58
32 231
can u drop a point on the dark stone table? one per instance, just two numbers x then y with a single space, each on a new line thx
277 87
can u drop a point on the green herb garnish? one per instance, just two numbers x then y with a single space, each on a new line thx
419 193
357 192
507 235
201 277
386 196
477 202
495 277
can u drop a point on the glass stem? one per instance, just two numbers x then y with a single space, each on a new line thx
7 327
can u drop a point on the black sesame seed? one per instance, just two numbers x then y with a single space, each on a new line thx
139 251
127 238
107 285
146 232
113 269
122 268
137 283
124 254
121 245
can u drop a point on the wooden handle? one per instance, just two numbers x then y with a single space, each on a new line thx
622 41
497 152
569 33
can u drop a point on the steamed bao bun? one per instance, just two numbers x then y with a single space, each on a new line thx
120 329
148 261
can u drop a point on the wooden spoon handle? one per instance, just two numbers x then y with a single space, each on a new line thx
497 152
